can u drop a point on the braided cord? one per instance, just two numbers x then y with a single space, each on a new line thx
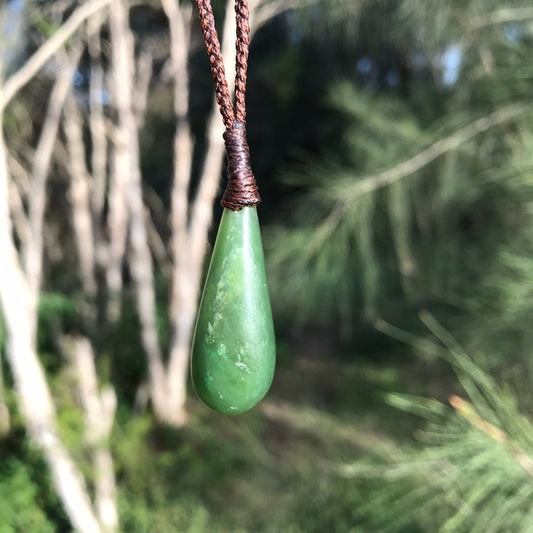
241 189
243 43
214 52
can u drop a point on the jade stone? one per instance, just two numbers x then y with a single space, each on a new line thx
234 350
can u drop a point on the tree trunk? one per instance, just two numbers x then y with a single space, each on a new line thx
32 390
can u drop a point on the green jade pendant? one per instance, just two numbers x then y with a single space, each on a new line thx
234 349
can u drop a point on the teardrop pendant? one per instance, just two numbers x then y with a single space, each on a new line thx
234 351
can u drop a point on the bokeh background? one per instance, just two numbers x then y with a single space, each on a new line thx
392 142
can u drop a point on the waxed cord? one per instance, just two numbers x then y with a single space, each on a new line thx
241 190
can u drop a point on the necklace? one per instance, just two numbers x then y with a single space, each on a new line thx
234 350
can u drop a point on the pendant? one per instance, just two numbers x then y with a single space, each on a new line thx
234 348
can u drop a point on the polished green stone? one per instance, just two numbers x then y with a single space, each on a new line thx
234 352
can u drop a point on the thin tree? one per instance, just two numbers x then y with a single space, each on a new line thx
20 281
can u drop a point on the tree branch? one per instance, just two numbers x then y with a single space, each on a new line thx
97 121
447 144
16 204
122 87
501 16
99 412
183 150
127 154
48 49
33 394
268 10
40 168
79 196
144 72
468 412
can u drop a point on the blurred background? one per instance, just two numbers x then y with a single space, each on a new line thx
392 142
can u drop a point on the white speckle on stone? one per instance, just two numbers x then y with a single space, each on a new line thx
210 337
240 364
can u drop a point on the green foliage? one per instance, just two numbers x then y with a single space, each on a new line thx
453 235
393 214
20 508
258 472
505 307
43 25
360 237
57 313
27 503
472 471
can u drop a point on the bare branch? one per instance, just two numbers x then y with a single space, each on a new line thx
19 174
79 196
266 11
127 150
156 244
96 119
183 150
16 204
40 168
141 87
48 49
122 86
154 204
99 412
32 390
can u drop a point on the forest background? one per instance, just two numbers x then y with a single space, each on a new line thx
392 142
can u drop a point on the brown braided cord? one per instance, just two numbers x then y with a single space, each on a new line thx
241 65
212 44
241 189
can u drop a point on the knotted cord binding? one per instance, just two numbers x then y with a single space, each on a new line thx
241 189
